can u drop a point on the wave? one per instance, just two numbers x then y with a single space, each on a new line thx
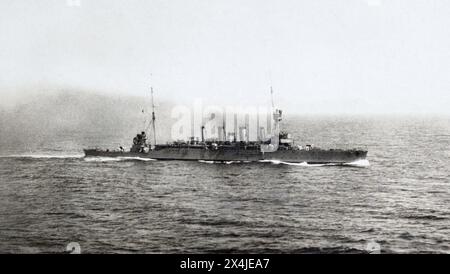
115 159
222 162
301 250
303 164
275 162
45 156
359 163
424 217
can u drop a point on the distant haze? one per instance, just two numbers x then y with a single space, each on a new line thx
325 56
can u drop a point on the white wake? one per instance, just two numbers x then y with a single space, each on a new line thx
45 156
303 164
222 162
115 159
359 163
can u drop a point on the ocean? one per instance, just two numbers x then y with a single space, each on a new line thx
50 195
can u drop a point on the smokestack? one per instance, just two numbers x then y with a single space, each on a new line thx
235 127
224 126
203 133
247 128
262 134
258 135
220 132
241 134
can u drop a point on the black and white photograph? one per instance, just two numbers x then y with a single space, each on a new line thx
225 127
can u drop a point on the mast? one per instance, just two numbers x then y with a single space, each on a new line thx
223 126
153 119
276 113
144 128
275 132
271 97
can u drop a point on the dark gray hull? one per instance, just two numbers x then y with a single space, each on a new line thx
313 156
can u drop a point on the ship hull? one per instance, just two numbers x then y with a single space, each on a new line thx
313 156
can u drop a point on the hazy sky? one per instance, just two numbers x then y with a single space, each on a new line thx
320 56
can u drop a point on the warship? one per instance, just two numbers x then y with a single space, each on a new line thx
279 147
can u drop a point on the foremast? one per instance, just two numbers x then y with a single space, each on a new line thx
153 119
275 139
